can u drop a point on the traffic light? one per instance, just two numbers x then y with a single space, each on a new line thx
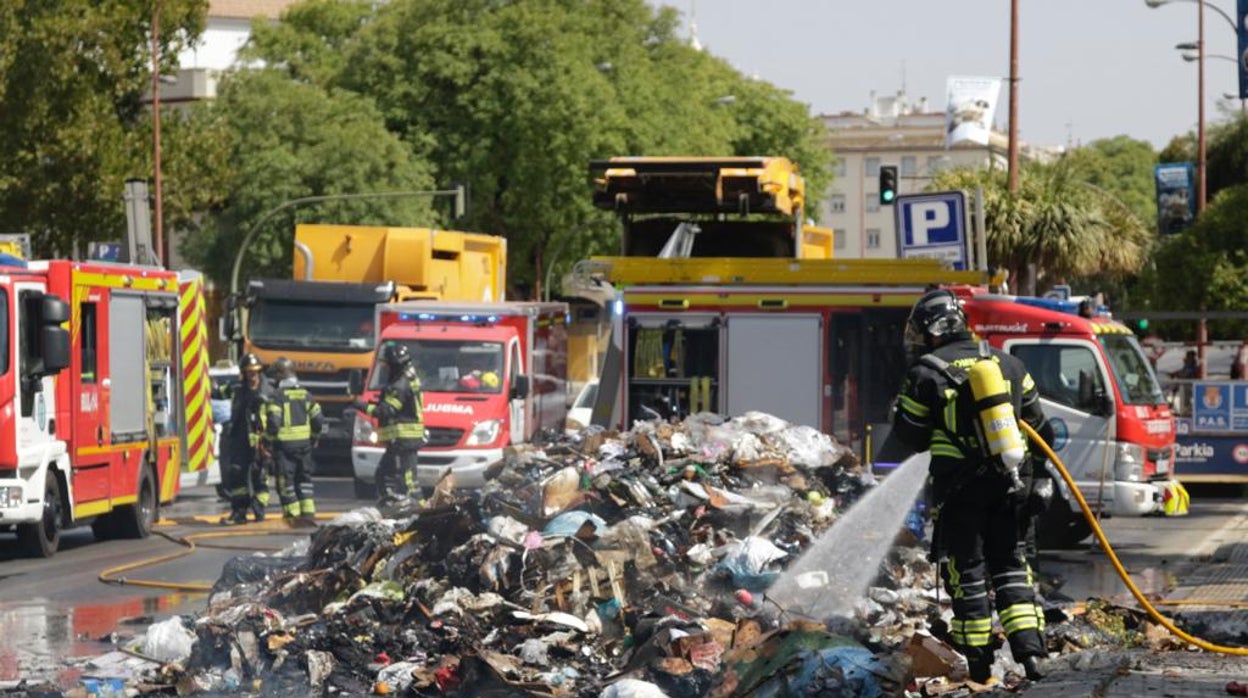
888 184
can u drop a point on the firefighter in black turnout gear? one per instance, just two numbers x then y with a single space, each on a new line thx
401 425
246 481
982 501
292 422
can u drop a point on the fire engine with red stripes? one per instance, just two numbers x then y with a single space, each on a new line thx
103 396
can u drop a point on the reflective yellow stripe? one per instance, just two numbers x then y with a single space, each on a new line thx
913 406
1019 617
1028 383
951 409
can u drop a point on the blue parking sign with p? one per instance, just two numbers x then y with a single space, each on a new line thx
933 225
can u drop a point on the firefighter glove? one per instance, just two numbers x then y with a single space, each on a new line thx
1041 494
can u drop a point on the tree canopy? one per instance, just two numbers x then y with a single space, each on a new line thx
512 99
1056 222
73 75
289 140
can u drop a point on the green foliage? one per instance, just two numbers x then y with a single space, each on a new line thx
290 140
1206 266
515 98
1123 168
72 77
1227 156
1056 221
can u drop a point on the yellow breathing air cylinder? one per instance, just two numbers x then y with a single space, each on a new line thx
998 425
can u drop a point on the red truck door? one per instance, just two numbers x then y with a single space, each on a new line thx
88 373
519 426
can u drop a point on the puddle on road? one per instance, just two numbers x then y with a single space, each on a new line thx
1086 575
39 637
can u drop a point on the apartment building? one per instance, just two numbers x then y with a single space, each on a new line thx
892 131
227 29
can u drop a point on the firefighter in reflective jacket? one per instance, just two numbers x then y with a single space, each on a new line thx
292 422
400 418
982 484
245 476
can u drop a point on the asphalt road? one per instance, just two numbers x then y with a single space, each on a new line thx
57 608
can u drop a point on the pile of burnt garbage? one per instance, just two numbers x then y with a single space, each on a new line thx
625 565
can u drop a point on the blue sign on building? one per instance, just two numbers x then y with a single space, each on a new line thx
933 225
1219 406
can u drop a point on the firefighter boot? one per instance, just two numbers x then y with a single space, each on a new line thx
1031 665
234 518
980 668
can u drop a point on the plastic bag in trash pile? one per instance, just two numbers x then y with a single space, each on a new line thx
628 564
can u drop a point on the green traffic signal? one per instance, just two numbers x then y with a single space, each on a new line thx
1142 323
888 184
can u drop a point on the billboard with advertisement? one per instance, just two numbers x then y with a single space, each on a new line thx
1241 31
970 108
1176 198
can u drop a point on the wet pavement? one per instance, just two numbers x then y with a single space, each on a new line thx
88 618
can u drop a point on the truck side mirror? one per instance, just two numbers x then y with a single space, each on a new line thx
519 387
55 345
355 382
1092 397
53 310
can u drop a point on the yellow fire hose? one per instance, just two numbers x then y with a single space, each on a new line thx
112 574
1113 557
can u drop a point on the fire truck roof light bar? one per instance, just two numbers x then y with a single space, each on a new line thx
439 317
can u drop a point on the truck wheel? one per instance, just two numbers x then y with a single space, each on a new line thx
136 520
1060 528
104 527
364 490
43 538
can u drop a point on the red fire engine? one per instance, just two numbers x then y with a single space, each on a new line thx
103 396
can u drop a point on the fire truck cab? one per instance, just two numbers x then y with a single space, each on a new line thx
1114 428
103 395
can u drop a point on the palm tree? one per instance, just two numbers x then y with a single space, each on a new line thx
1057 224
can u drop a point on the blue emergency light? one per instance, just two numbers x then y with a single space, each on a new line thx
431 317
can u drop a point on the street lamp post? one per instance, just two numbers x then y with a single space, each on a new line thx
1200 87
457 192
158 226
1012 157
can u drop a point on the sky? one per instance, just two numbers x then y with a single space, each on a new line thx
1088 69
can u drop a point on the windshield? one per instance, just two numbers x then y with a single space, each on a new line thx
274 324
1135 377
587 396
445 366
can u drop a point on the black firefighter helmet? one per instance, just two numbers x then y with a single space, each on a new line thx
938 314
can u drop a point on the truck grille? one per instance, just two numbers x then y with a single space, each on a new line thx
437 437
334 384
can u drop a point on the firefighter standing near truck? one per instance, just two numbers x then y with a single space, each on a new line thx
245 477
400 418
292 422
960 401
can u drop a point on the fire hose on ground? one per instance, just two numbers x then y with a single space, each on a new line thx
1148 607
190 544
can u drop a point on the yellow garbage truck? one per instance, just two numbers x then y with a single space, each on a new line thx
322 318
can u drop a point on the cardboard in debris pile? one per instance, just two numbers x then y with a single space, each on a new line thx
627 563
